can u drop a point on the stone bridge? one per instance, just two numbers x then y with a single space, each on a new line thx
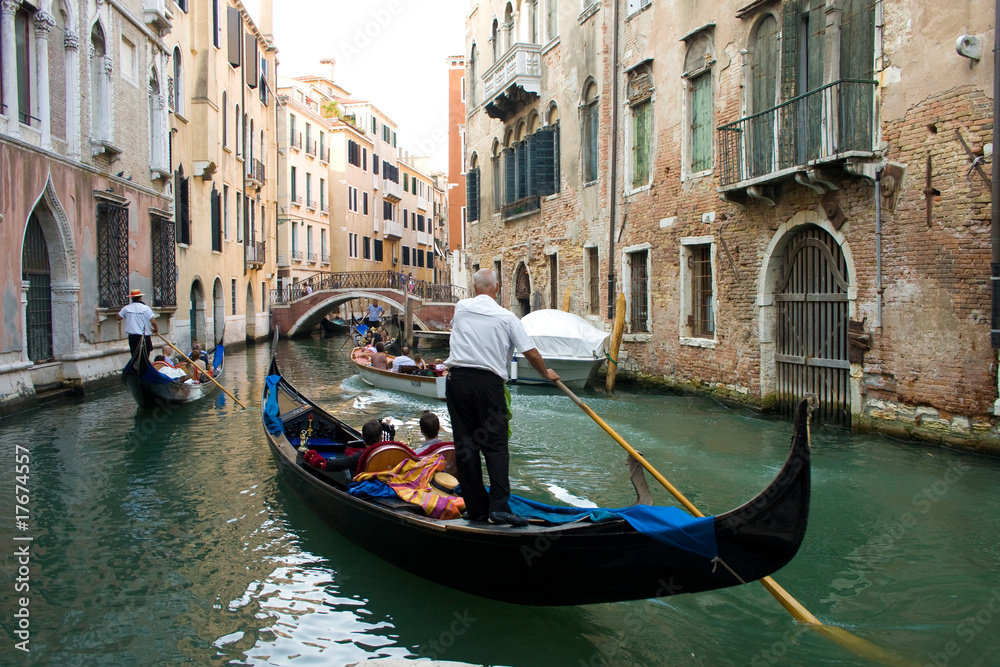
298 308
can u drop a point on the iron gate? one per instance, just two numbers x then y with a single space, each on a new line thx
812 316
35 269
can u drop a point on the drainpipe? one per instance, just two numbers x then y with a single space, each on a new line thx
878 248
995 205
614 167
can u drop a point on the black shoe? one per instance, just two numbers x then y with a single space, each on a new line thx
478 519
507 517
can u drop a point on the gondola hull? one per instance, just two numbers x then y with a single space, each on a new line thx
149 395
428 387
569 564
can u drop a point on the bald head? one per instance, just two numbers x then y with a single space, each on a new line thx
485 282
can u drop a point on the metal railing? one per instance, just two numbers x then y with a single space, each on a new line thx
828 122
256 171
521 206
296 141
297 200
313 258
255 252
297 255
326 258
311 147
369 280
324 155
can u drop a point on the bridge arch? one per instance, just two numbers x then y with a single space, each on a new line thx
309 319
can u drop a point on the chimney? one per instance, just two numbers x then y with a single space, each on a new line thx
330 63
266 24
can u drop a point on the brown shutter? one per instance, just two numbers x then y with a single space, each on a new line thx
252 61
233 35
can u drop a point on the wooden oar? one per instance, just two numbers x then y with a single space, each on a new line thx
856 644
188 359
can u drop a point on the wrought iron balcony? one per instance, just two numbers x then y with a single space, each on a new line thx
513 80
255 253
324 155
296 200
830 124
326 258
296 141
313 258
256 175
297 255
310 204
311 148
521 207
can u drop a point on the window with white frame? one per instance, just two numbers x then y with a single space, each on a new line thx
640 99
590 125
697 281
592 267
225 211
352 245
698 74
635 278
637 5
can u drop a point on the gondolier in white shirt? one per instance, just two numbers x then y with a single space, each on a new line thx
140 321
484 337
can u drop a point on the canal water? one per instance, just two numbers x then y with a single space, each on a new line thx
166 538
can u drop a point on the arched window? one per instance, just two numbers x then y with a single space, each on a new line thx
237 135
698 72
495 40
225 120
496 175
471 83
99 121
508 27
472 180
590 124
178 82
250 141
155 121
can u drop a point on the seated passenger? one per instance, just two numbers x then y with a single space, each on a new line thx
372 434
419 362
164 367
201 371
429 427
379 360
402 360
439 368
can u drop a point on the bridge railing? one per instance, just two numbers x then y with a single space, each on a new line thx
373 280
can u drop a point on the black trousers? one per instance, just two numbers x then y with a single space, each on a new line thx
133 344
478 412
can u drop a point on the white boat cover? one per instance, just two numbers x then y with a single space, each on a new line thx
558 334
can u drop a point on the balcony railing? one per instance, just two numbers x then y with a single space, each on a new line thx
326 258
256 175
833 122
297 255
296 141
310 204
313 258
311 148
391 190
521 206
324 155
392 230
255 252
369 280
513 79
296 200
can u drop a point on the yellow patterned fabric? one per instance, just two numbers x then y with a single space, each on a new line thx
411 480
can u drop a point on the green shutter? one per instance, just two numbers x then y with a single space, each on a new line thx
641 135
701 122
542 166
509 176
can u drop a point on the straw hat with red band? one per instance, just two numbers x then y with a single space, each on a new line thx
136 293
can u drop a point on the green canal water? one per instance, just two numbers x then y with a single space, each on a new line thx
165 539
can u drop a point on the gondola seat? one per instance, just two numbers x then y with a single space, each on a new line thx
384 456
445 449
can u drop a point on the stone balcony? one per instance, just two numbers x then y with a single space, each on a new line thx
513 81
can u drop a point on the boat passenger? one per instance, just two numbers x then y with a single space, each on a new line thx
402 360
164 367
439 368
430 425
372 433
168 357
379 360
419 362
201 370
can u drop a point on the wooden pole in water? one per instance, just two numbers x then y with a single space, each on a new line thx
616 343
408 321
565 303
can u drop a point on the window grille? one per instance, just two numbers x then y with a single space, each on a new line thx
702 313
164 262
639 261
112 255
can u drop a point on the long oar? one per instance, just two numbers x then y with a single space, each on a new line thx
206 374
860 646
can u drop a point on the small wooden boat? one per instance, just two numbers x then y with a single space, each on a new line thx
421 385
333 326
150 388
590 560
570 345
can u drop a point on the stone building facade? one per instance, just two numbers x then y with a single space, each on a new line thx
223 168
84 190
779 224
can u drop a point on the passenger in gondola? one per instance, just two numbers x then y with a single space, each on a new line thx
419 362
402 360
201 372
379 360
166 368
168 356
430 426
373 432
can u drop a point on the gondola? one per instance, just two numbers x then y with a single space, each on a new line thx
334 326
428 386
586 561
151 388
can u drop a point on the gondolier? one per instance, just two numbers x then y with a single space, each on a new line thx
374 314
140 322
483 338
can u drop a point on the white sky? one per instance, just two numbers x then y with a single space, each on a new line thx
392 53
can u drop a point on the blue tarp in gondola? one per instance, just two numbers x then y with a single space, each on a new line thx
218 356
272 419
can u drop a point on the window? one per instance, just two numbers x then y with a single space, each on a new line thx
636 5
128 60
112 255
698 72
324 253
295 240
309 145
366 246
387 212
590 124
406 182
225 211
640 92
309 190
697 288
406 255
352 245
473 65
386 133
495 40
406 218
554 281
353 153
418 258
216 212
309 244
216 25
178 82
164 262
531 7
100 122
293 185
225 120
364 159
638 281
495 174
375 164
352 198
593 281
238 136
364 203
378 250
232 294
183 5
182 206
374 125
322 194
393 139
239 217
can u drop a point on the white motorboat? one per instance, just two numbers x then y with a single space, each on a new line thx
570 345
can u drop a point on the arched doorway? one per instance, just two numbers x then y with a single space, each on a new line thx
198 324
251 317
218 310
522 291
812 312
35 270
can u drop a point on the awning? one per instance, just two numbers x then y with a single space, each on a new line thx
437 249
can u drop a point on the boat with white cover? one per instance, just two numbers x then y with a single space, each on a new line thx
570 345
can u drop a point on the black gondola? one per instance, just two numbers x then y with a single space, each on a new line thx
566 564
151 388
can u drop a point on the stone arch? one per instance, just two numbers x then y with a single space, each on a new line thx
310 319
521 290
198 322
250 313
218 307
772 265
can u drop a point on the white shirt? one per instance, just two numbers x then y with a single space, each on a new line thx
137 316
485 335
402 360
